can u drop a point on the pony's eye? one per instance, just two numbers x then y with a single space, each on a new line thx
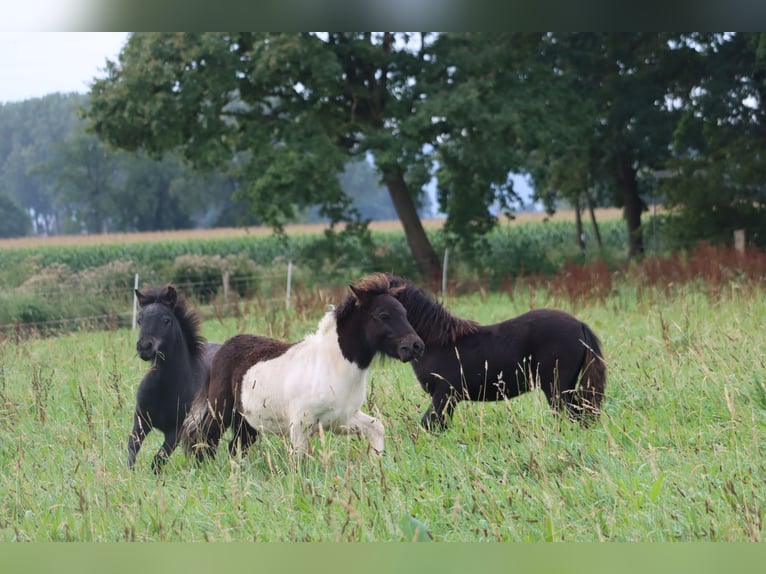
167 320
384 316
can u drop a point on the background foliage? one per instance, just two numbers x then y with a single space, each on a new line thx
229 128
51 283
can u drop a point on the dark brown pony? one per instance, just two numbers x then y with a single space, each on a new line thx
259 384
170 339
464 360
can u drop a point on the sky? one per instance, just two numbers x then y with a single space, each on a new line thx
35 64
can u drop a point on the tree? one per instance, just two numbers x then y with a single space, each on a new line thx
14 221
295 108
85 177
165 194
608 116
68 181
29 134
478 100
372 200
719 164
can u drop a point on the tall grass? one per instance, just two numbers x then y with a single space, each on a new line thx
678 453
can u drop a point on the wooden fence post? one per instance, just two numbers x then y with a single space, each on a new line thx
444 273
289 284
739 241
225 286
135 301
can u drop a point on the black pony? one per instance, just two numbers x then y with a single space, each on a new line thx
464 360
169 337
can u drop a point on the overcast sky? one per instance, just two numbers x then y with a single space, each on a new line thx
34 64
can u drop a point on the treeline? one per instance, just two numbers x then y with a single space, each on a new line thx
57 178
612 119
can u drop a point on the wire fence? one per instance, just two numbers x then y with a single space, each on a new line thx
54 303
278 286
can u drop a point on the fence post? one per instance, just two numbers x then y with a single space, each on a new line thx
444 273
135 301
739 241
225 286
289 284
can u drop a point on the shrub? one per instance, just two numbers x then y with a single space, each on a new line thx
115 278
32 310
243 273
48 280
199 276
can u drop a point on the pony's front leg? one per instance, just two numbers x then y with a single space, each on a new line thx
300 431
167 448
368 426
137 436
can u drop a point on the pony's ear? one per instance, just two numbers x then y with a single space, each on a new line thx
169 296
142 299
359 294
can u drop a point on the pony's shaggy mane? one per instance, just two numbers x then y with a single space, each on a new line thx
435 325
372 286
188 320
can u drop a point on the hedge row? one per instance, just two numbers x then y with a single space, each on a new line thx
56 282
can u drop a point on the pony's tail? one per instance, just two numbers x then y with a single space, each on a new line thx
590 391
196 426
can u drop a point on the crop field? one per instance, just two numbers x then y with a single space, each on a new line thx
678 454
292 229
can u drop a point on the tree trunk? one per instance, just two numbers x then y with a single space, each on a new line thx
592 210
578 224
420 246
626 179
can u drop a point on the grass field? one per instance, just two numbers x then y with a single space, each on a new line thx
677 455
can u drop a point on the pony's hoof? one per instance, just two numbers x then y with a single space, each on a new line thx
433 424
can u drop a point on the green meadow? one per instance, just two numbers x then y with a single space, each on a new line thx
678 454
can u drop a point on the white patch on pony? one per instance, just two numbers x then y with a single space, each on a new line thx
311 384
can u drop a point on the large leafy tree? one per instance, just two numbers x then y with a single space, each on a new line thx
719 164
481 102
583 113
292 109
607 117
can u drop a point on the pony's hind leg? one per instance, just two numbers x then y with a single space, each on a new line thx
167 448
204 444
439 413
244 436
580 398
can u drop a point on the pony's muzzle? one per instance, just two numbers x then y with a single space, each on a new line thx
146 349
411 348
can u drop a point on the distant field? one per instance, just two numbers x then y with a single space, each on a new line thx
390 225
